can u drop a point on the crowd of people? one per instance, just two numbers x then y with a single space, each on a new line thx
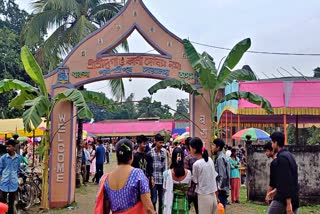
174 177
154 177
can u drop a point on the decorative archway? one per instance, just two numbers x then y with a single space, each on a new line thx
92 60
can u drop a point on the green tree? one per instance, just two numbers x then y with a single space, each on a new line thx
316 72
147 108
314 137
182 112
11 16
11 21
37 103
71 21
212 80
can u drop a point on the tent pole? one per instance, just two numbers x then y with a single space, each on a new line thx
231 127
297 130
285 129
226 127
34 141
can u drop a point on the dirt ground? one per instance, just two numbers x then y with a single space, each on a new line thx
85 200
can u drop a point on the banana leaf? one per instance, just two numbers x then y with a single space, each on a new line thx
250 97
174 83
77 98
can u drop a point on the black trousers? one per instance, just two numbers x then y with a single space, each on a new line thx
99 172
88 173
12 197
194 200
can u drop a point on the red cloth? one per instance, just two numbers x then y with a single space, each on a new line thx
138 208
235 189
100 195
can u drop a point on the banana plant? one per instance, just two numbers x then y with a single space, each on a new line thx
38 104
212 80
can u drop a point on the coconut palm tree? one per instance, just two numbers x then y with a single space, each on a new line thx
71 21
213 80
38 104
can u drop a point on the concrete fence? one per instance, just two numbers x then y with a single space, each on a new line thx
308 161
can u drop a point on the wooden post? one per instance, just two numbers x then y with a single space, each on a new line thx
231 130
285 129
238 122
33 146
297 130
226 127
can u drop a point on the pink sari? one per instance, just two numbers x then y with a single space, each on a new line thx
138 208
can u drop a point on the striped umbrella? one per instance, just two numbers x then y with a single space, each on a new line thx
256 134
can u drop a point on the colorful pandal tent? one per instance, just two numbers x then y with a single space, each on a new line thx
128 128
293 101
8 127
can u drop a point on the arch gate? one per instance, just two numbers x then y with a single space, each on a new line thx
92 60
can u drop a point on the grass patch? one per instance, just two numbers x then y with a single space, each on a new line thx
262 209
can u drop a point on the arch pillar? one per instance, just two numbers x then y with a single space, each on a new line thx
200 115
62 165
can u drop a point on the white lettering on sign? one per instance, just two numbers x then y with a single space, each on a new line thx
61 146
60 177
60 167
61 128
202 119
204 133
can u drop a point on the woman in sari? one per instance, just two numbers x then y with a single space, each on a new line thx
126 189
176 184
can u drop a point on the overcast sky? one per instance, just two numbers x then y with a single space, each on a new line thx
273 26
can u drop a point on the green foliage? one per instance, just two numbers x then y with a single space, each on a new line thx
11 21
11 16
71 20
213 80
37 108
98 98
251 97
33 69
315 136
182 112
174 83
75 96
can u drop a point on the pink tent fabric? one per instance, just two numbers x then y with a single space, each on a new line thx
272 91
292 94
124 128
305 94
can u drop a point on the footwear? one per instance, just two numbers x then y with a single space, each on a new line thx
237 201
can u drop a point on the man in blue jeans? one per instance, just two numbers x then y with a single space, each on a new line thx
99 156
159 156
9 168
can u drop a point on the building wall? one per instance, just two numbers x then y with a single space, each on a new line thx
308 160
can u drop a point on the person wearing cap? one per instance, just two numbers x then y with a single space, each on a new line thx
9 168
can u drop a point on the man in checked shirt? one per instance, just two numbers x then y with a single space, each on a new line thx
159 156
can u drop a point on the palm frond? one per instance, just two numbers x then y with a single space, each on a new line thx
104 12
61 5
117 88
38 25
